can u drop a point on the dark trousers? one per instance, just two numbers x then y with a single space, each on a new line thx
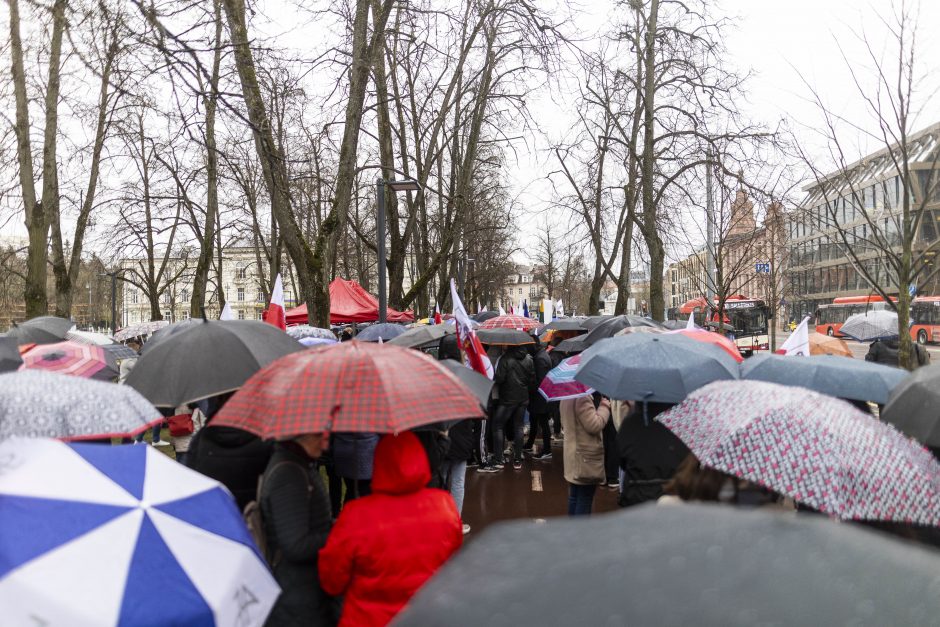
479 451
539 422
555 410
580 499
611 456
503 415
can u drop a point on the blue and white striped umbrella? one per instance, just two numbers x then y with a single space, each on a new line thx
97 535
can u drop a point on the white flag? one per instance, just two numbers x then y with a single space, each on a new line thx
560 308
691 322
798 342
226 313
502 311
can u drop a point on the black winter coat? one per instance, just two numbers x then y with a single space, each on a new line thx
296 513
233 457
886 352
514 378
649 454
461 441
542 363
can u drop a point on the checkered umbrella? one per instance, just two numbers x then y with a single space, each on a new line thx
559 384
816 449
79 360
510 322
300 331
141 328
353 386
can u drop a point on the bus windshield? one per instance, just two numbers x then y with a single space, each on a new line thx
751 321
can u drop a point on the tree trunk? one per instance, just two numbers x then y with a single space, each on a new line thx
650 231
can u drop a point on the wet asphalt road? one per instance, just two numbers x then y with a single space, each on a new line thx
538 490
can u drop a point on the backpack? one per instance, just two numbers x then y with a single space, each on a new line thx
254 519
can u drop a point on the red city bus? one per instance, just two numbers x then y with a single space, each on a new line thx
829 317
925 319
745 320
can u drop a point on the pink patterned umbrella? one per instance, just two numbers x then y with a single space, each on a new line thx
511 322
72 358
816 449
559 384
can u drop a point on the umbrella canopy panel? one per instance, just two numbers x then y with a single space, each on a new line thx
504 337
88 530
10 358
603 330
478 384
422 336
41 330
873 325
914 407
385 332
559 384
683 565
72 358
511 322
139 330
820 344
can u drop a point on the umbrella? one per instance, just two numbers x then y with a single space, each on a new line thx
209 358
820 344
90 337
384 331
139 329
36 404
168 331
89 532
873 325
300 331
352 386
693 564
656 368
511 322
607 328
10 358
565 324
629 330
827 374
504 337
676 325
119 352
316 341
422 336
914 406
41 330
816 449
710 337
559 384
73 358
590 322
478 384
483 316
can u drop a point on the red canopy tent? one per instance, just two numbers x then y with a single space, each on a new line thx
349 302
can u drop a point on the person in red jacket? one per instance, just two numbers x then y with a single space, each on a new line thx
384 546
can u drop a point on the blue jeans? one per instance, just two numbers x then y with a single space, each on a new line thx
155 433
454 474
580 499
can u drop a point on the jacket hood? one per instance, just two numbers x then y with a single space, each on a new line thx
401 465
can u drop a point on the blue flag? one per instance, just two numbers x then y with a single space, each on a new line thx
525 308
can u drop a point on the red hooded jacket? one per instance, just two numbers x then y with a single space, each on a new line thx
384 546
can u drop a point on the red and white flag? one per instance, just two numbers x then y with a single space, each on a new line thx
798 342
437 314
467 338
275 313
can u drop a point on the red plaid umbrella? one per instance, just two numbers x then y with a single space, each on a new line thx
73 358
710 337
352 386
511 322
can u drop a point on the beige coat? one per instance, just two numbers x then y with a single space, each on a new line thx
584 446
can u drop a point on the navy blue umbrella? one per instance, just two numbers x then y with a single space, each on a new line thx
834 375
384 331
661 368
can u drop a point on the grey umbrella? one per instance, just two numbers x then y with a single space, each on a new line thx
210 358
565 324
914 407
592 321
167 332
607 328
505 337
829 374
10 358
688 564
423 335
385 331
476 382
872 325
41 330
662 368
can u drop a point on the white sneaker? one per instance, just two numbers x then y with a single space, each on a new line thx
161 443
466 529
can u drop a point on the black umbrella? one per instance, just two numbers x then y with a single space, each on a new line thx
211 358
41 330
385 331
675 325
661 368
423 335
565 324
167 332
590 322
504 337
829 374
914 406
475 382
607 328
10 358
483 316
688 564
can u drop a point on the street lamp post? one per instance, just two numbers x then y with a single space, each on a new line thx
404 185
114 276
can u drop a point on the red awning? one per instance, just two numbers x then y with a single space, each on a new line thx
349 303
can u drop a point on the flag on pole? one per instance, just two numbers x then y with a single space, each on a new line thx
525 308
275 313
560 308
548 313
690 323
502 311
227 313
798 342
467 338
437 314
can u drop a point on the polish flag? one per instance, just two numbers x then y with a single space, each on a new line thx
275 313
437 314
227 313
467 338
798 342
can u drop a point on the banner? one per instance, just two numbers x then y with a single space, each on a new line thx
467 338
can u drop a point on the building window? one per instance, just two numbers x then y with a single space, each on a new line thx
520 291
241 295
241 314
184 295
134 296
260 315
241 271
260 295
